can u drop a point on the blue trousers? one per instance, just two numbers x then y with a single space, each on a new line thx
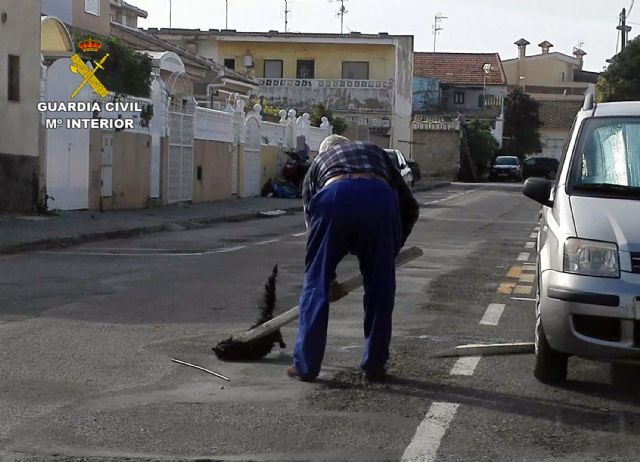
361 217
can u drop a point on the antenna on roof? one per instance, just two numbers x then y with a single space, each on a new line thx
341 12
437 27
286 15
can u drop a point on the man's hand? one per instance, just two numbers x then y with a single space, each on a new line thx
336 292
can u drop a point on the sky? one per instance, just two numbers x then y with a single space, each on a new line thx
471 25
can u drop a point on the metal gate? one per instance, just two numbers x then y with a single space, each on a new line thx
252 165
180 165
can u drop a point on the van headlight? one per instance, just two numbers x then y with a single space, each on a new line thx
591 258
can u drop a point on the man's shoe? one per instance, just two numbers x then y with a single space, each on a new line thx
294 374
377 376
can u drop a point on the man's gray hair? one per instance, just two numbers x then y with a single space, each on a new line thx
331 141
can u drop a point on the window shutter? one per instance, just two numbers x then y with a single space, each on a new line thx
92 6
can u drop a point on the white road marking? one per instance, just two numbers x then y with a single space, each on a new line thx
426 441
299 234
230 249
522 299
466 365
533 235
455 196
530 245
492 315
267 242
524 256
106 254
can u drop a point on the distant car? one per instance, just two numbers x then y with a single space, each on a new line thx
588 265
506 168
545 167
401 164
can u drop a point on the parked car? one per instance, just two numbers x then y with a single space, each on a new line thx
401 163
545 167
588 298
505 168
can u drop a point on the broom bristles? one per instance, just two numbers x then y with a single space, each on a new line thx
230 350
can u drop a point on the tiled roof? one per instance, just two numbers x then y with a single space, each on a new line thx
459 68
558 114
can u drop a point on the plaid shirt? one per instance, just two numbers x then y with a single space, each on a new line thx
361 157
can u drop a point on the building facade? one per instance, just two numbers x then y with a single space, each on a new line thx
81 15
549 73
558 82
20 71
447 83
366 79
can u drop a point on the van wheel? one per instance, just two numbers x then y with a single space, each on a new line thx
550 365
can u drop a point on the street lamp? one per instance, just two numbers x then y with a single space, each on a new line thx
170 12
524 86
486 68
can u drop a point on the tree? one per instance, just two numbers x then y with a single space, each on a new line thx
319 111
482 144
125 71
521 125
621 81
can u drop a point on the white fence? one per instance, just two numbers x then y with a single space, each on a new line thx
228 126
214 125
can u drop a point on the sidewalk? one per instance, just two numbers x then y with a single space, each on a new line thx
28 233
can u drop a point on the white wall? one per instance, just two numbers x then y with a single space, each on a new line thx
403 99
20 35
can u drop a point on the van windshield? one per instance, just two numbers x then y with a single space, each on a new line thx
608 157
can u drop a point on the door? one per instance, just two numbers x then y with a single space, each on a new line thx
252 165
106 170
180 166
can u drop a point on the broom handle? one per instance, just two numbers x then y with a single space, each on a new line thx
347 286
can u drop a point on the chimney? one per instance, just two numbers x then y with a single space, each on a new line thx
580 54
546 46
522 48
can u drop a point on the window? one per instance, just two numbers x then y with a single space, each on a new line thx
458 97
230 63
272 68
14 78
355 70
562 76
306 69
92 7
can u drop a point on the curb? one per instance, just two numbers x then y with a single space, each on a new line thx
182 225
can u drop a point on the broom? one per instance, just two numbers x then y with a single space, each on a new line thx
258 342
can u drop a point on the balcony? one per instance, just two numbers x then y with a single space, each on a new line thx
360 96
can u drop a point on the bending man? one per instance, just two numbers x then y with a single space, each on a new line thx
355 202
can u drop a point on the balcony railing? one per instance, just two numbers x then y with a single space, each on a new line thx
339 95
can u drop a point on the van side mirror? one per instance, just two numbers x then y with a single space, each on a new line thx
539 190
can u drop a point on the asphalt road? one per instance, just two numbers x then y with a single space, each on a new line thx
86 337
